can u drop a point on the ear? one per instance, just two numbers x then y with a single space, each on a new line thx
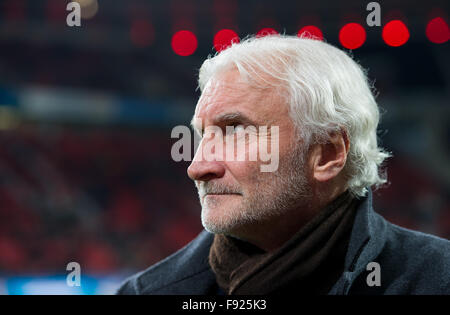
328 159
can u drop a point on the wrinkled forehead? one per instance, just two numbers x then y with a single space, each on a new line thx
222 99
227 87
230 92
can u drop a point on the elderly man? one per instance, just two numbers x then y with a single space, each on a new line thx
308 226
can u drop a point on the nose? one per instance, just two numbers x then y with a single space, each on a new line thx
207 164
205 170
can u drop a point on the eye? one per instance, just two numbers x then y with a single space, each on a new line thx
234 129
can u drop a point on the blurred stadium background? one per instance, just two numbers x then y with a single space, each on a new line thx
86 114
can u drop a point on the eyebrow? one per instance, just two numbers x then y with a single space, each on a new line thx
224 119
232 117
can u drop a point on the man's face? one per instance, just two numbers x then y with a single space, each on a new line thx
235 194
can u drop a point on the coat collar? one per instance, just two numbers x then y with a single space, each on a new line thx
366 242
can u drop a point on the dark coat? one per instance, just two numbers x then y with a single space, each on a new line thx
410 263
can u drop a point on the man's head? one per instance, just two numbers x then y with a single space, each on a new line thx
327 117
235 193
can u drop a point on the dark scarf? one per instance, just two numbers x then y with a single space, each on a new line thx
309 263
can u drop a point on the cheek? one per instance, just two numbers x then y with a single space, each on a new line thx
244 172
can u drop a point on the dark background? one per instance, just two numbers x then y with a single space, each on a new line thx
86 114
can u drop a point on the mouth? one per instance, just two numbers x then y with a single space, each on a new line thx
221 194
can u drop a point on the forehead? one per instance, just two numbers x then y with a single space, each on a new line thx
229 93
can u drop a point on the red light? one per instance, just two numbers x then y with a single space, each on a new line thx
352 35
142 33
184 43
225 38
437 31
310 31
395 33
266 31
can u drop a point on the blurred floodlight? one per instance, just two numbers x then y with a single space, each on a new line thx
310 31
352 35
184 43
88 8
8 118
224 38
437 31
395 33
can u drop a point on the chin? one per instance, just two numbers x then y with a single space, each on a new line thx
218 221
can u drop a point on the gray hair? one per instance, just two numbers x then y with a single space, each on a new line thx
327 92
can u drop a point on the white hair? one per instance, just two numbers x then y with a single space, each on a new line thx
327 91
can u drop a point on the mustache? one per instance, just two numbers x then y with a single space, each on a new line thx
205 188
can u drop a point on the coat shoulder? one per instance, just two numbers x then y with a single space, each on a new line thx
190 261
414 262
421 246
